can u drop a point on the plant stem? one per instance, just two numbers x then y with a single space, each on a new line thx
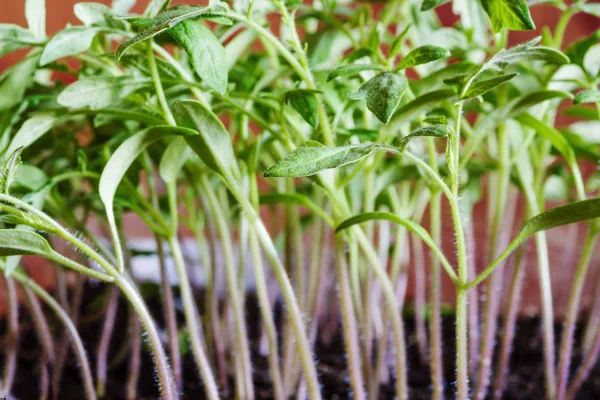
566 346
585 368
165 378
103 346
435 290
135 360
494 284
166 293
12 337
267 317
462 364
287 291
78 348
510 319
246 389
349 324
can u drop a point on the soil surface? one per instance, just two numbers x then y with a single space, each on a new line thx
524 381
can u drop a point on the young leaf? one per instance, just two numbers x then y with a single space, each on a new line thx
588 96
15 242
511 14
432 131
534 98
213 143
164 21
96 14
408 224
13 37
31 130
352 69
206 53
101 92
305 103
15 81
20 242
562 215
591 8
121 7
307 161
383 93
429 4
174 157
423 55
69 42
397 43
156 6
10 170
528 51
127 153
480 87
577 51
35 13
117 166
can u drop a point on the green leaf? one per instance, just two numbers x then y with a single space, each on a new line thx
96 14
577 51
15 81
397 43
68 42
15 242
588 96
156 6
213 144
423 55
165 21
591 8
528 51
175 156
432 131
352 69
305 103
101 92
408 224
511 14
31 130
10 170
13 37
480 87
307 161
117 166
297 199
127 153
429 4
121 7
383 93
206 53
559 142
534 98
35 13
562 215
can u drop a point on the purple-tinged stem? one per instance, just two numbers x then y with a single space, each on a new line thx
103 346
510 315
135 358
566 345
585 368
12 338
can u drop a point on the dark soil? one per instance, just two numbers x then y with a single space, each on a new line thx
524 381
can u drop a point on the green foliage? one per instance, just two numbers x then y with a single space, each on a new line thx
206 54
383 94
